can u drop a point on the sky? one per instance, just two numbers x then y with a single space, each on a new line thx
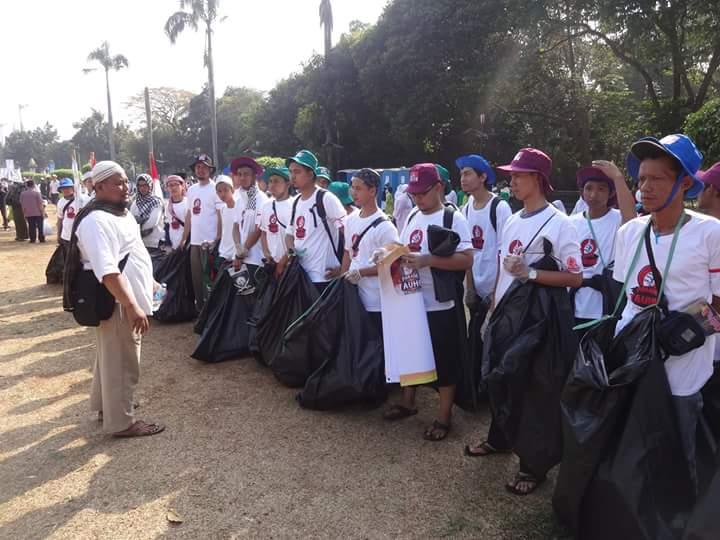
45 44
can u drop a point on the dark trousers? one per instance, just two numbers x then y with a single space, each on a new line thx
21 228
36 230
496 438
3 211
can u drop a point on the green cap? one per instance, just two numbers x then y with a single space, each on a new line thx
284 172
305 158
445 177
342 191
323 172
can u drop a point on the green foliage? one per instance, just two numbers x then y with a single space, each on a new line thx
269 161
704 127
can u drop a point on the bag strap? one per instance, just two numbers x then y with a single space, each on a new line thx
594 237
494 203
322 214
449 216
374 224
660 280
174 216
538 232
276 216
294 209
69 202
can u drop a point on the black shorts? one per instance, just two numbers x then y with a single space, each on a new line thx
447 348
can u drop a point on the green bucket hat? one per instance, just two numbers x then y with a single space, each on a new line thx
342 191
445 177
323 172
305 158
283 172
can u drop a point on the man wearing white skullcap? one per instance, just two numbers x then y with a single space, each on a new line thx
87 186
106 239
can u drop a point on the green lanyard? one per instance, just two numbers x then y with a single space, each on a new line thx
633 264
592 232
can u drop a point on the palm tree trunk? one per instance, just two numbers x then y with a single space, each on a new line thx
211 98
110 117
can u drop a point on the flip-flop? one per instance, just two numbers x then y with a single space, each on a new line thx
487 450
527 478
153 429
437 426
398 412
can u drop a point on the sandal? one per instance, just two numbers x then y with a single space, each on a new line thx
486 449
140 429
398 412
436 432
527 479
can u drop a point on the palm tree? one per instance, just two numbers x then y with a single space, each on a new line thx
193 13
108 62
326 23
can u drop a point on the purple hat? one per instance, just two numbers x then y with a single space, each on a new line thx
711 177
586 174
531 160
423 176
248 162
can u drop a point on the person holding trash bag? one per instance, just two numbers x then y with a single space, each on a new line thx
486 214
147 209
202 223
603 188
525 377
316 221
246 232
666 170
67 208
176 211
365 231
438 274
275 215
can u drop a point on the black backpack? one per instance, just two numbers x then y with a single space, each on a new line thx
494 203
322 214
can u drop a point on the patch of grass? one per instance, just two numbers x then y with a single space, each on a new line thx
455 526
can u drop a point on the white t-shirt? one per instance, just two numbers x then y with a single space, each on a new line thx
274 224
175 213
376 237
415 236
485 242
311 240
694 274
68 216
228 217
401 209
155 222
104 240
588 301
54 187
203 203
519 231
248 221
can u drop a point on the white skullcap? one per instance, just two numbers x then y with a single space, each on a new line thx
104 170
87 175
223 179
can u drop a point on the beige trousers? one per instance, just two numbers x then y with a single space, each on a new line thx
116 372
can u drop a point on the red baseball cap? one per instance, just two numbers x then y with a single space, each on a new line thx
531 160
423 176
711 177
248 162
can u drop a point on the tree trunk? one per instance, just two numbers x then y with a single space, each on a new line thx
211 98
111 139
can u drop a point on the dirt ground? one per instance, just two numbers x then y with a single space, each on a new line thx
239 458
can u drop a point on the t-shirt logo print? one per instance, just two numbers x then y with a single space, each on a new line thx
645 294
355 250
589 252
515 248
416 238
197 207
273 225
70 212
478 237
300 227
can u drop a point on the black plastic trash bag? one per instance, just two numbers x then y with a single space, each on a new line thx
56 266
266 285
704 523
179 302
470 392
349 347
529 351
594 400
293 295
711 402
212 304
642 487
226 334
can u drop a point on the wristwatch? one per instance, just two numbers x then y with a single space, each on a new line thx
532 275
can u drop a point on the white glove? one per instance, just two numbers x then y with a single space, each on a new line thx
516 266
353 276
378 255
240 252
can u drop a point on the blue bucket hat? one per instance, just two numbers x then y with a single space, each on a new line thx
478 163
681 147
66 182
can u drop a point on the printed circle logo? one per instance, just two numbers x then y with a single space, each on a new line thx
589 252
416 238
175 224
645 294
300 227
478 240
355 250
515 248
273 225
197 206
70 212
572 264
